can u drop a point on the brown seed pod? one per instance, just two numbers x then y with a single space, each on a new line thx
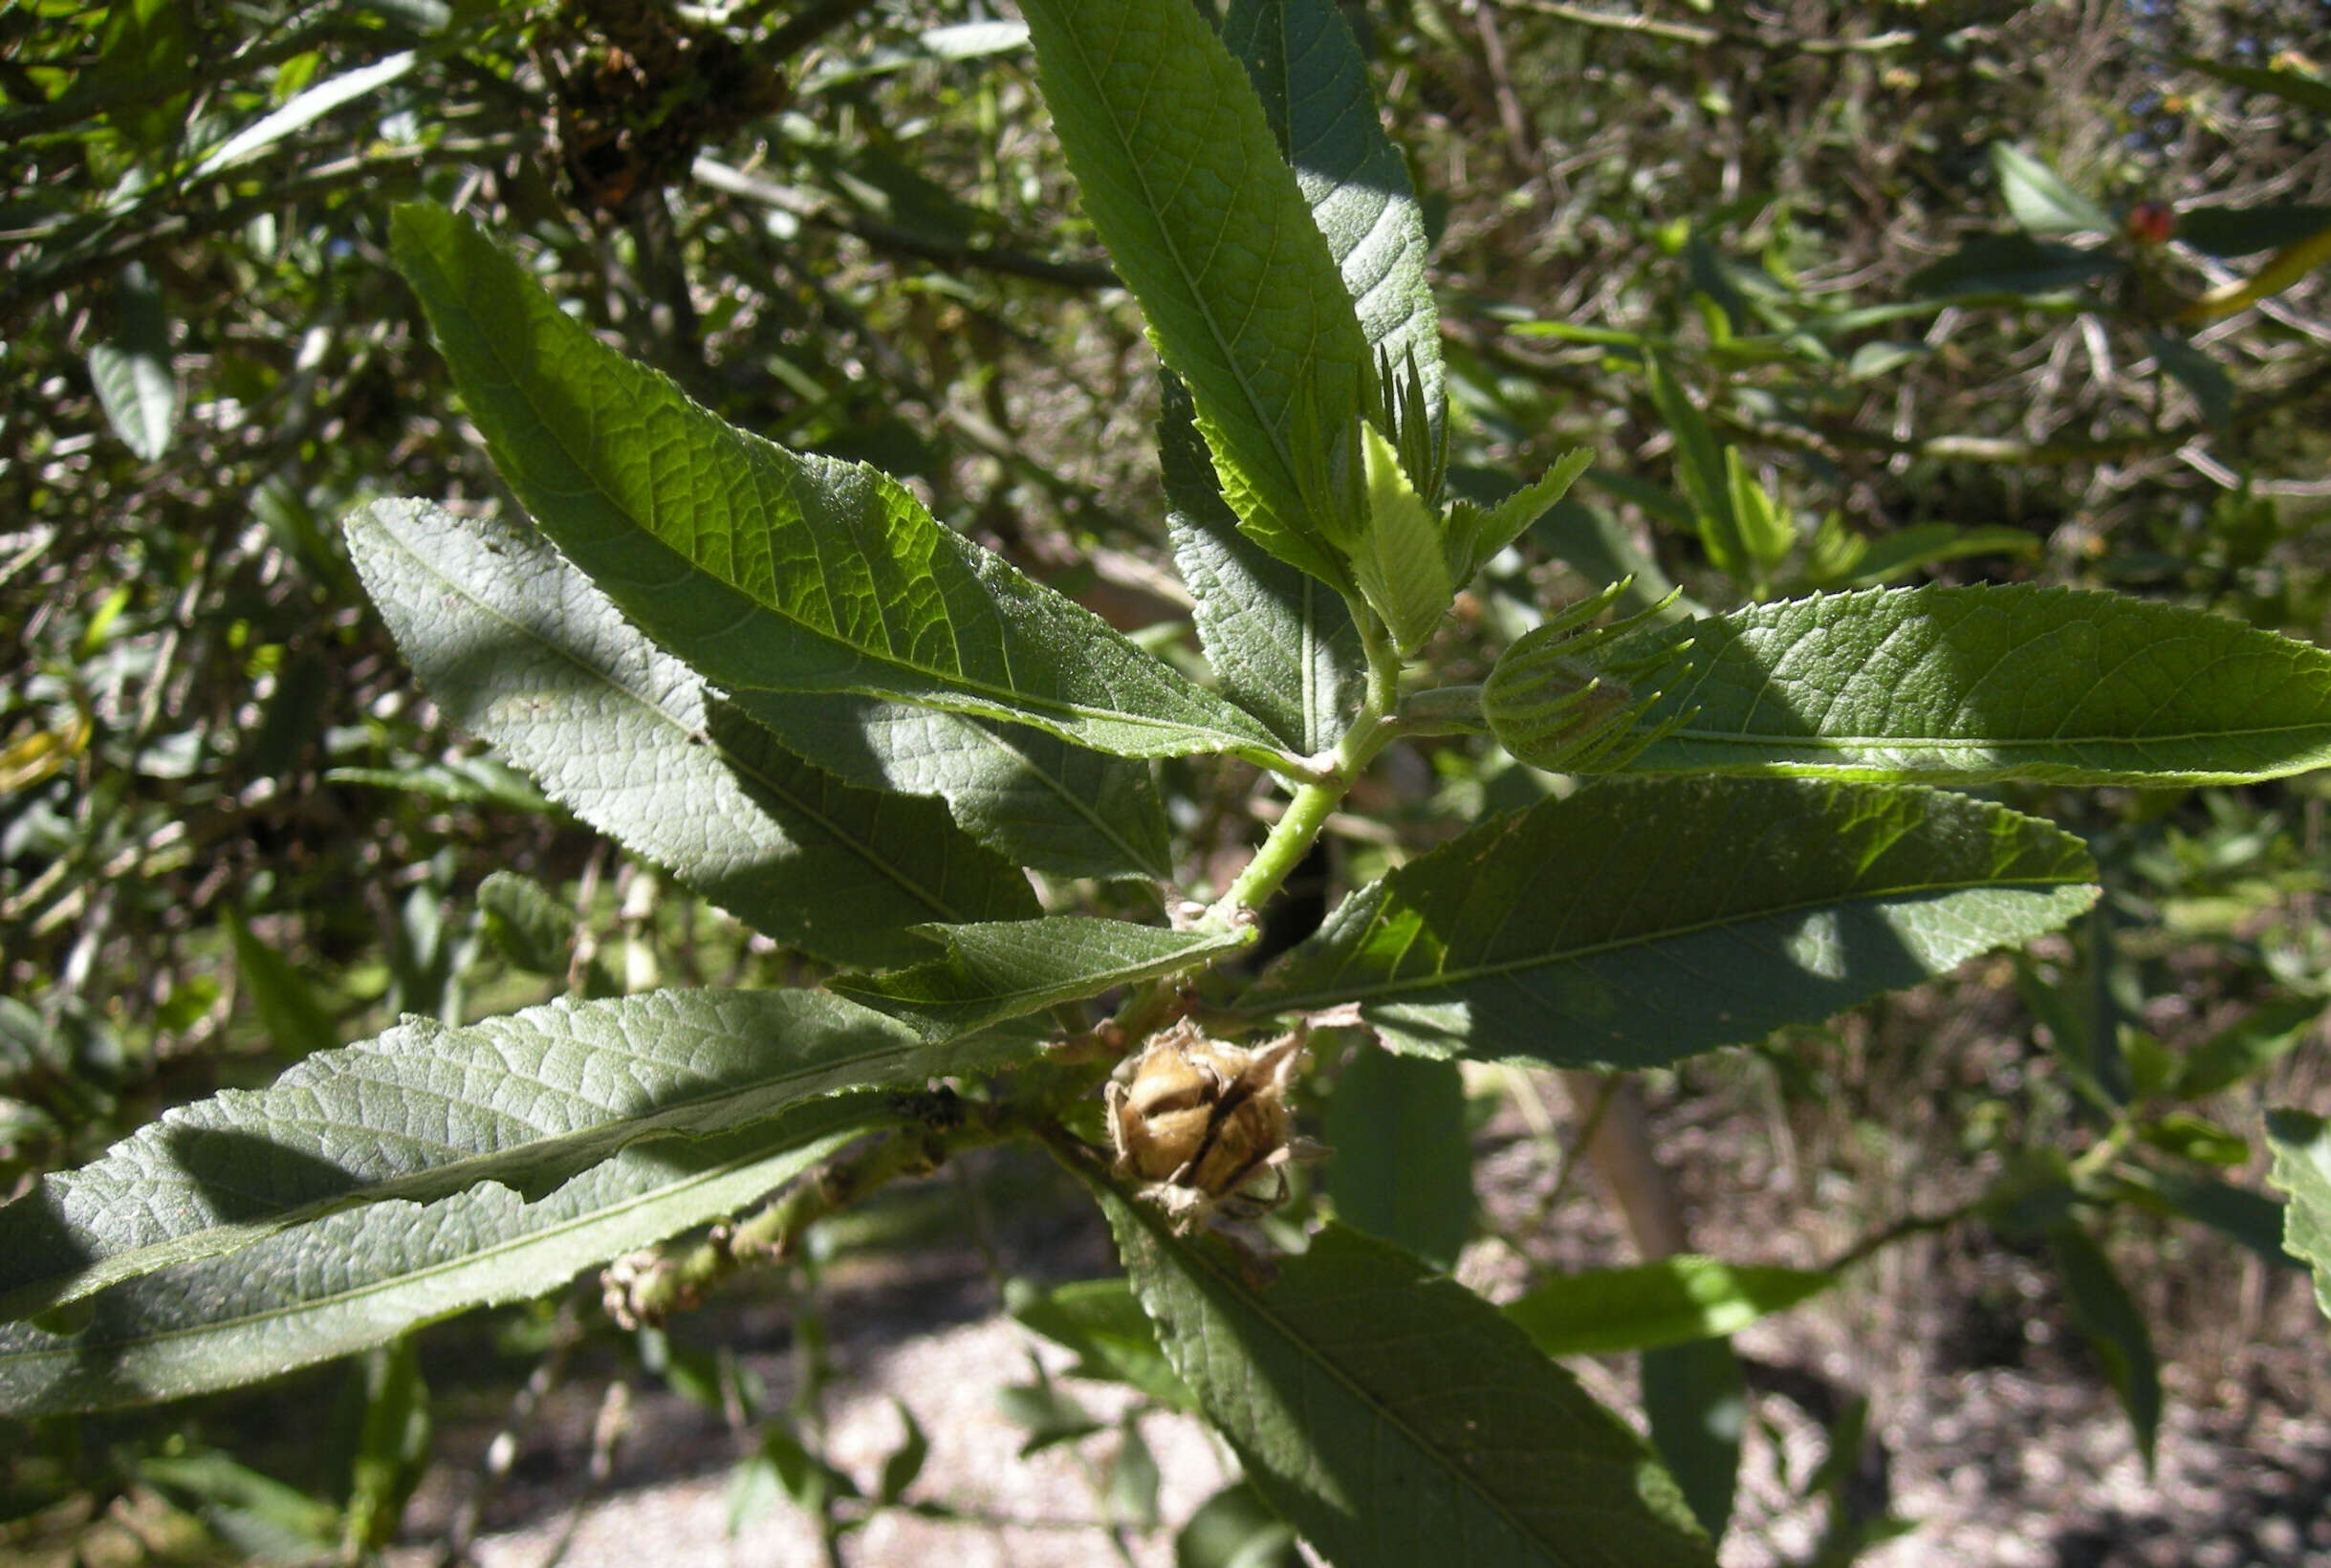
1202 1122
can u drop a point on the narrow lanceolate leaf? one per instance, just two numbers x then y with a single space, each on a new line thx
1006 969
2301 1143
1399 558
1634 924
769 570
353 1279
1403 1166
1667 1303
1393 1416
517 648
1699 468
2115 1326
1039 800
1970 685
1308 70
1182 176
1282 641
131 373
424 1111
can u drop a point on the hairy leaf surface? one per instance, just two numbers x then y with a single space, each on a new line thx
1183 179
330 1286
1634 924
2301 1143
1039 799
1392 1415
1006 969
517 648
424 1111
1313 80
1282 641
766 569
1974 684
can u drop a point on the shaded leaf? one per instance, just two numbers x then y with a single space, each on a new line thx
1696 1402
1632 924
517 646
424 1110
1236 1529
1669 1302
1033 796
358 1277
1392 1415
532 929
1112 1337
2100 1305
1699 470
132 372
1001 970
2011 265
1282 641
286 1005
1403 1170
765 569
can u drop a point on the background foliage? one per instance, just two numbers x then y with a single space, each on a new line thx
1902 258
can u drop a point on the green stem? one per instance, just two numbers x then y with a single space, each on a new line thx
1290 840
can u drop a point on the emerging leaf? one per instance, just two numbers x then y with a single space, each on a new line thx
1398 559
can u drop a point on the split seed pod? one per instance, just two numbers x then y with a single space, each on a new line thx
1202 1122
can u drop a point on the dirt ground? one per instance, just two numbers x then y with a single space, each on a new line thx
1995 1434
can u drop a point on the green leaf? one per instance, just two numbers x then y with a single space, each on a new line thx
2301 1143
1208 224
1919 546
392 1446
767 570
1402 1170
1699 470
1632 924
132 372
905 1463
2044 207
1111 1336
304 109
1000 970
2011 267
1766 532
1649 1305
1696 1404
517 646
1475 534
286 1005
1975 684
1313 80
2100 1305
1282 641
424 1111
2230 232
530 926
357 1279
1398 559
141 65
1391 1415
1236 1529
1034 798
2198 373
2297 87
2250 1219
1050 1415
2246 1049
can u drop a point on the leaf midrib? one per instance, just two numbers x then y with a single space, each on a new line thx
863 848
448 1265
439 1180
1005 703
